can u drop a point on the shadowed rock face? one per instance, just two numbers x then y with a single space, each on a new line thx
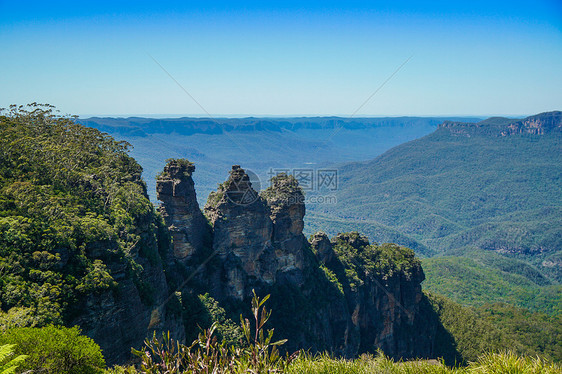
385 308
259 244
322 247
119 321
124 318
242 233
180 210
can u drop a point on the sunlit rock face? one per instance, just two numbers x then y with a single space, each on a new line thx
180 210
242 235
286 202
540 124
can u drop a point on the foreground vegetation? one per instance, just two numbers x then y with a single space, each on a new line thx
52 349
60 350
491 363
259 354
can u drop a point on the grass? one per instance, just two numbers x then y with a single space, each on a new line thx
490 363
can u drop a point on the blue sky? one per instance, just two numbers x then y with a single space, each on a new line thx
283 58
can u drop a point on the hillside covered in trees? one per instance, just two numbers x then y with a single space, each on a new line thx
486 195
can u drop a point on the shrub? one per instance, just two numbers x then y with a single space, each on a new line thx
54 349
208 355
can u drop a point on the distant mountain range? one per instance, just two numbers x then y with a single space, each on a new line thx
260 145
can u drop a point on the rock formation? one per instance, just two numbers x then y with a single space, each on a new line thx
259 240
180 210
255 242
242 234
286 202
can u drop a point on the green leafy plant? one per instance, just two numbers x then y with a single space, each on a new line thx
9 365
264 355
207 354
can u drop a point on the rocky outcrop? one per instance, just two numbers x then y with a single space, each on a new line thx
180 210
322 247
540 124
383 296
242 233
286 202
260 245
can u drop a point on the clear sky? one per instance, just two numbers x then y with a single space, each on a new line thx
283 58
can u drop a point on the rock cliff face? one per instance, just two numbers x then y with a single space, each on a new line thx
259 241
242 234
180 210
539 124
286 202
259 244
384 298
123 318
120 320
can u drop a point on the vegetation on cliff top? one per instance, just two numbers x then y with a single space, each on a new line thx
282 187
362 260
181 164
71 203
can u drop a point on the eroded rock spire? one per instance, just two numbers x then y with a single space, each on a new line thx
179 208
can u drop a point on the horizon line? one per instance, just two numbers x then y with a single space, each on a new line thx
279 116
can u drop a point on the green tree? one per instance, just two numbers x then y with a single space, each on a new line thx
56 350
72 203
